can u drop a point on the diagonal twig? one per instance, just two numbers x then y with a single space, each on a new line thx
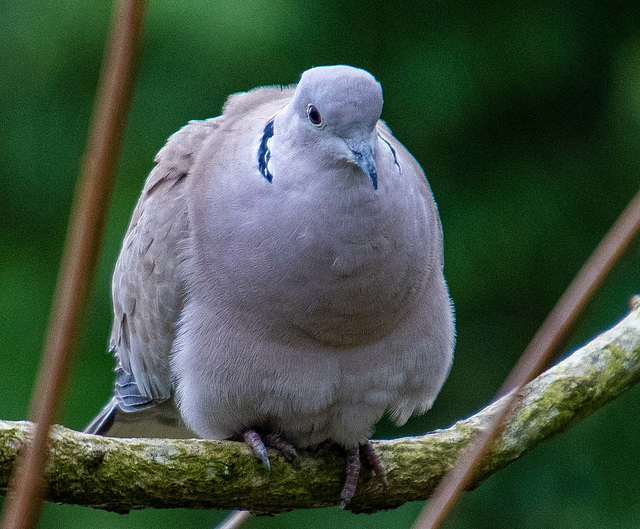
93 193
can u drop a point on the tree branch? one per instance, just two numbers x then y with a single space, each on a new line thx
125 474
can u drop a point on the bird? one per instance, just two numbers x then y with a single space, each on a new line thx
281 280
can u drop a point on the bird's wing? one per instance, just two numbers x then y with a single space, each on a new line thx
147 289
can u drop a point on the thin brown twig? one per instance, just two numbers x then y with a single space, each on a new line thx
535 357
234 520
91 201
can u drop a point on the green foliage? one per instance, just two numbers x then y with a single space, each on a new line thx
525 116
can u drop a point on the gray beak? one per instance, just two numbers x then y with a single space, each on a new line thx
363 157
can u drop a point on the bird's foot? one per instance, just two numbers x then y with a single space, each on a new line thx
259 446
374 462
351 481
353 471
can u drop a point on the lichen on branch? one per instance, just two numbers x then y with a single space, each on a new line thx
124 474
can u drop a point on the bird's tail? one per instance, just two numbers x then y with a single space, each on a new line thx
159 421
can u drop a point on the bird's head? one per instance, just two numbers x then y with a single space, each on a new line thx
336 108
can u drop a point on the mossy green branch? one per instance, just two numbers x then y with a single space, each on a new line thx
125 474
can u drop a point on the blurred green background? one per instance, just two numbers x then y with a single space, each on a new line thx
525 118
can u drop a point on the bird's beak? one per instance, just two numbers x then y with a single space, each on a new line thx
363 157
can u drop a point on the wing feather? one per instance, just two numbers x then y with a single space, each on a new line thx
147 289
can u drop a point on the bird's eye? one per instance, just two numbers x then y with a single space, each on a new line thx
314 115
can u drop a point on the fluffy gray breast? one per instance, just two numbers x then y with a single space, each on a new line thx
313 256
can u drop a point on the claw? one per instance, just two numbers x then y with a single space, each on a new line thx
252 438
285 448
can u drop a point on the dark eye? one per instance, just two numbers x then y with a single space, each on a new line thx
314 116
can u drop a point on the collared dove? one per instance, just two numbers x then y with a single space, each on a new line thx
281 280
